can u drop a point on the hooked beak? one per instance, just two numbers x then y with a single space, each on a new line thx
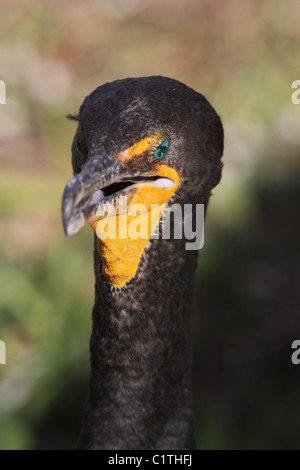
84 192
102 185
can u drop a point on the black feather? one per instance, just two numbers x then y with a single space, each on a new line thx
140 389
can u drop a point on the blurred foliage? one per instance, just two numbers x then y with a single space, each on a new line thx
243 56
246 386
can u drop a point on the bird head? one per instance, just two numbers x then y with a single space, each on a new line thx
140 143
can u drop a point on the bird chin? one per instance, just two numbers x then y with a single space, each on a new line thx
128 224
123 212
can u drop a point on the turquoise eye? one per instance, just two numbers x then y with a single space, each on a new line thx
161 151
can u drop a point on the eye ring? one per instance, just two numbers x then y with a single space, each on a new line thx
161 150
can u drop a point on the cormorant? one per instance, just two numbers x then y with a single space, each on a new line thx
155 141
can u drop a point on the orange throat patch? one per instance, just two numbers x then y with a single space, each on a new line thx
123 236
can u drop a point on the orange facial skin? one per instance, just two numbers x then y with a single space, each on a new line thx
138 149
122 237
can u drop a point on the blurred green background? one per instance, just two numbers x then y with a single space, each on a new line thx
243 56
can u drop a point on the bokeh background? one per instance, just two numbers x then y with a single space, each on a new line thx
243 56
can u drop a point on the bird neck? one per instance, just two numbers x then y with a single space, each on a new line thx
140 391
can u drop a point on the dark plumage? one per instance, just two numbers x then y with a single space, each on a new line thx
140 387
